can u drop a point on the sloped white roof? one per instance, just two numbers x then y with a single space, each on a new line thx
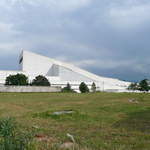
94 77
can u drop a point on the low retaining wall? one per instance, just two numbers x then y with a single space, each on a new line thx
35 89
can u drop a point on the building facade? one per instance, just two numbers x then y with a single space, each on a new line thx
60 73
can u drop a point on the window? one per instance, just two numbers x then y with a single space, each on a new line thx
21 59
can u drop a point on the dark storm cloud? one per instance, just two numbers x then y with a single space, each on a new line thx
110 38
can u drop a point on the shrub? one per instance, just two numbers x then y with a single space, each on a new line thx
40 81
83 88
93 88
133 86
67 88
18 79
12 139
144 85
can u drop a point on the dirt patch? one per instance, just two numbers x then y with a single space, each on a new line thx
44 138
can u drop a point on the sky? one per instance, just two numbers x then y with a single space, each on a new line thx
108 37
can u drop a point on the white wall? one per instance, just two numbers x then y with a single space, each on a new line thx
29 89
35 64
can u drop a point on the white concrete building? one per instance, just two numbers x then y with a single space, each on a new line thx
60 73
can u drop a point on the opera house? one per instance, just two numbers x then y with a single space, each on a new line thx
60 73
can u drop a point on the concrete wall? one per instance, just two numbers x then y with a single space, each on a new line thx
33 89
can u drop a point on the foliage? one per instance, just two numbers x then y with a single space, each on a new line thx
67 88
11 138
18 79
83 88
40 81
144 85
133 86
93 88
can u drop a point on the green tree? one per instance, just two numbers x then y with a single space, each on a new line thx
40 81
67 88
133 86
144 85
18 79
83 88
93 88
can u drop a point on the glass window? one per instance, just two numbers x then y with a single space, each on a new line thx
21 59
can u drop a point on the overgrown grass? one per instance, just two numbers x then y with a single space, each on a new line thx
75 116
13 139
102 121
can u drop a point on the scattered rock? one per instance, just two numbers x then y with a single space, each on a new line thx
64 112
133 101
68 145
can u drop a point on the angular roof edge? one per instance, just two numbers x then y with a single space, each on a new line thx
77 69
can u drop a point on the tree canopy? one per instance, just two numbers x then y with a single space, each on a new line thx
93 88
18 79
40 81
67 88
144 85
83 88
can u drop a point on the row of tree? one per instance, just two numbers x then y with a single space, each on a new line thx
22 80
141 86
83 88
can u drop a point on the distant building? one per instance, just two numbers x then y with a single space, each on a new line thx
60 73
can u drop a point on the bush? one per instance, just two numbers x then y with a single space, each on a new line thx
67 88
133 86
144 85
93 88
40 81
12 139
18 79
83 88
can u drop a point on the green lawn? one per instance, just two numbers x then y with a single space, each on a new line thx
102 121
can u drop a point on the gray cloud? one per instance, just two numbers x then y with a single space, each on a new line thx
110 38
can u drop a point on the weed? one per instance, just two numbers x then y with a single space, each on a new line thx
12 139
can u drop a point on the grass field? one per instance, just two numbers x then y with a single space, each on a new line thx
102 121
